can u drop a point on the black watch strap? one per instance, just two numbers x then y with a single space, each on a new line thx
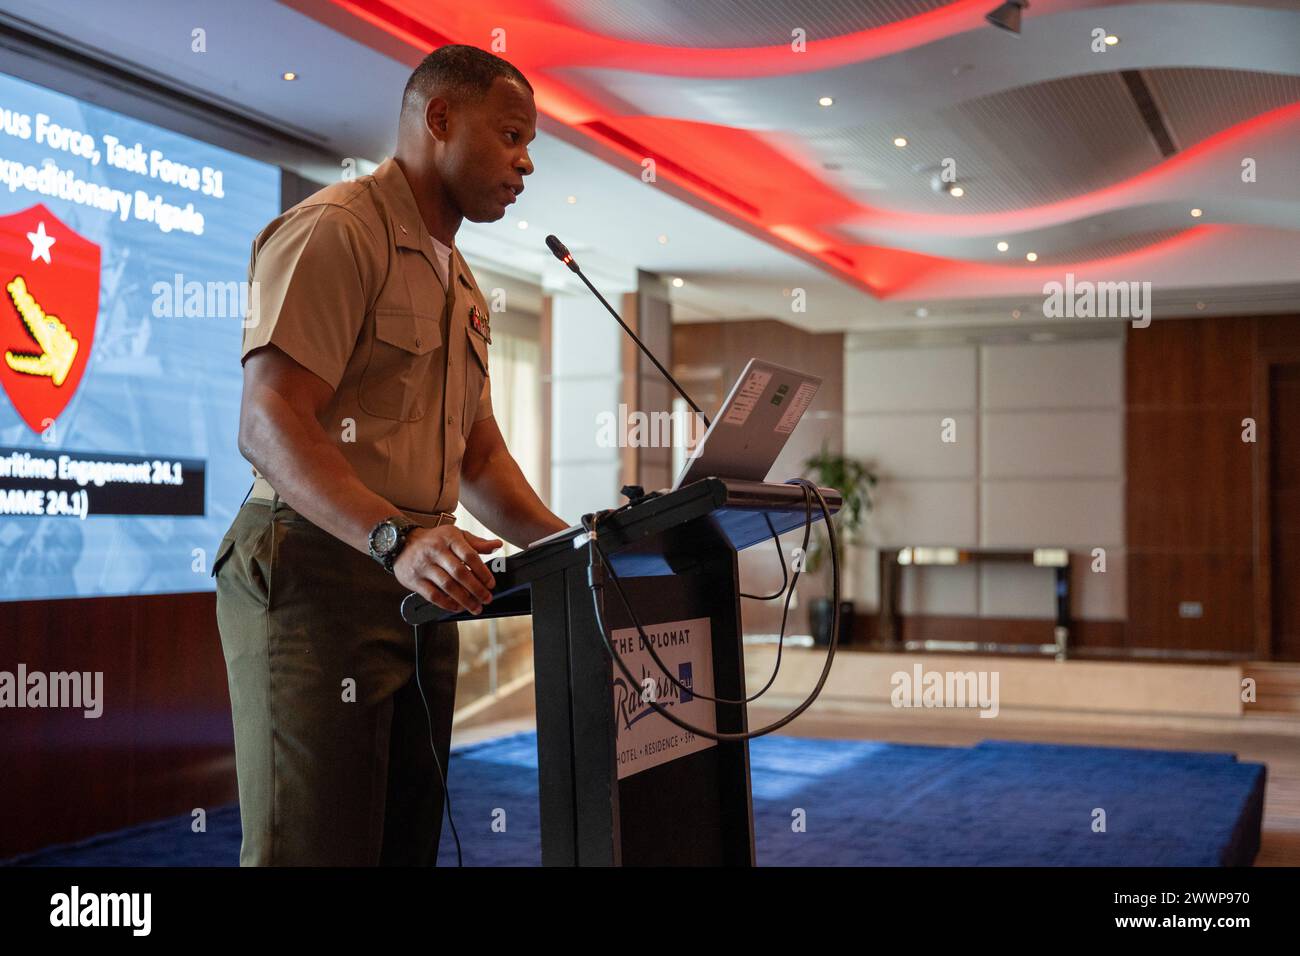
388 538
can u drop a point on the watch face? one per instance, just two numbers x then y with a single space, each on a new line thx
385 538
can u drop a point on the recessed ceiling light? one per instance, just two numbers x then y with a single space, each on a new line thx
571 200
1003 247
289 75
922 312
1111 39
900 141
1015 313
1197 213
956 192
523 223
678 282
825 101
1031 256
1200 306
663 240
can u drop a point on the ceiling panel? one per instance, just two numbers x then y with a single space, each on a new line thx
1199 103
729 23
1023 147
1110 247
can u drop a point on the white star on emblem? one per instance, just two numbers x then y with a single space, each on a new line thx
40 243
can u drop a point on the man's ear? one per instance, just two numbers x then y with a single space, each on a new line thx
435 117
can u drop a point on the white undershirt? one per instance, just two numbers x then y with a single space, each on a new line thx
443 255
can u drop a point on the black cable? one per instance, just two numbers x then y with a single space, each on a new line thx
442 777
650 648
785 575
654 656
596 584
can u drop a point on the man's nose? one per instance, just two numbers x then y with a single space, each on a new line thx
524 164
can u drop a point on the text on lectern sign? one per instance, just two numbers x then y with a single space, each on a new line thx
645 738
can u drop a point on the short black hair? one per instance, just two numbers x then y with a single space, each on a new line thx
457 72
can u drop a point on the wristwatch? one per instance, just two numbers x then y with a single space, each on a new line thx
388 538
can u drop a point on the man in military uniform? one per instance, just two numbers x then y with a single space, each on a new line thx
367 415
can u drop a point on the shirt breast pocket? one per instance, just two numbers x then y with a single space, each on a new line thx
398 381
476 370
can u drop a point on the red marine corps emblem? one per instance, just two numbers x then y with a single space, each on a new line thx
48 309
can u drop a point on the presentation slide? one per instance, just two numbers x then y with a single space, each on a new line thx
124 271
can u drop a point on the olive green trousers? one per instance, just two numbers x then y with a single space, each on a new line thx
332 742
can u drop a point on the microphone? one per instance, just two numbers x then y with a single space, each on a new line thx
562 253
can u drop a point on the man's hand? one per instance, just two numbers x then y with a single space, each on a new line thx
443 566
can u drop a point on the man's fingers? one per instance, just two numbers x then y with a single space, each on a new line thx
482 545
452 563
455 589
435 596
467 554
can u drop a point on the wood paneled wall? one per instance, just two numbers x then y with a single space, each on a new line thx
711 356
164 744
1277 391
648 312
1198 531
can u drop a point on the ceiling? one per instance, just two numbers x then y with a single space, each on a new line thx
1091 160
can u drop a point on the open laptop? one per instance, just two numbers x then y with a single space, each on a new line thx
746 436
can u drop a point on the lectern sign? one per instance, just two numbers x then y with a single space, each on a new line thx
645 738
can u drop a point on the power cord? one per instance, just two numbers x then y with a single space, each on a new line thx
780 556
789 594
442 776
597 566
787 586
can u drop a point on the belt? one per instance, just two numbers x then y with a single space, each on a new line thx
262 491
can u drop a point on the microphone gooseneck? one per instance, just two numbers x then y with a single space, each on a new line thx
561 252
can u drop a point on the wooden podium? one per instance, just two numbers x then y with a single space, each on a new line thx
619 784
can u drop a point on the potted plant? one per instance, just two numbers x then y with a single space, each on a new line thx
854 480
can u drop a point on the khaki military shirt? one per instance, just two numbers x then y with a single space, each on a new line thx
346 286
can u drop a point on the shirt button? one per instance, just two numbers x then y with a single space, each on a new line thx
417 343
449 419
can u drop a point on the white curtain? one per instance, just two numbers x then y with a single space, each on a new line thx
516 403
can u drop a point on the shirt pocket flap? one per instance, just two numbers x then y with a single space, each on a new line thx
416 332
478 345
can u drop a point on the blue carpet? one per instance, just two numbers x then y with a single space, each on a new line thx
865 803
